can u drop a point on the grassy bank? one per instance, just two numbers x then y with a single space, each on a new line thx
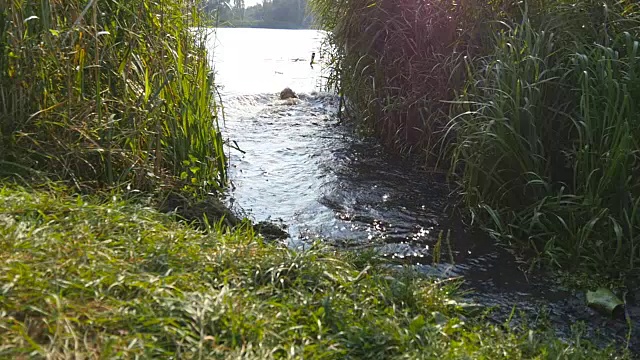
531 105
108 93
99 277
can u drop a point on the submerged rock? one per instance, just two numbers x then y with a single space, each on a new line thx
212 211
287 93
270 231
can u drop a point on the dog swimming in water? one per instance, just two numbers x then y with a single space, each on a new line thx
287 93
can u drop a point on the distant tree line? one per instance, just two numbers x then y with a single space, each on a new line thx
277 14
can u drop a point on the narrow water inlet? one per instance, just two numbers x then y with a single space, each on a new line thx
300 166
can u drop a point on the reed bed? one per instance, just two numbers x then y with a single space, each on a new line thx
395 60
532 106
546 136
108 93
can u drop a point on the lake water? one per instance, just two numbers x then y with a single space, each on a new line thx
297 164
265 61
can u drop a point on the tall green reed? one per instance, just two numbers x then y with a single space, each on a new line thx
109 92
546 140
395 63
512 102
540 99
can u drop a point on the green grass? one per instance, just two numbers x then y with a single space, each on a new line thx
99 277
108 93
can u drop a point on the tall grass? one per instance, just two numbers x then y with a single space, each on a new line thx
547 137
396 63
534 104
108 92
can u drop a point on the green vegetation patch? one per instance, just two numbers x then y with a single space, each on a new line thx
92 278
531 105
108 93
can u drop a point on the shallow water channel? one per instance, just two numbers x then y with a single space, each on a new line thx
300 166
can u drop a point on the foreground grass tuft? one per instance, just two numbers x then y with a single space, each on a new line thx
91 278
